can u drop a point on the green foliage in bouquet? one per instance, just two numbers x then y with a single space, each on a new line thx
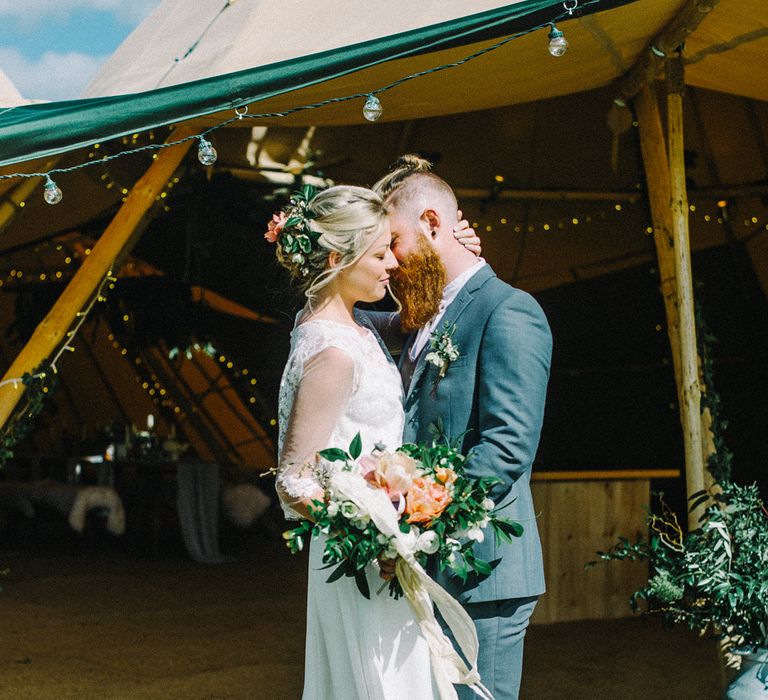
715 577
444 512
470 511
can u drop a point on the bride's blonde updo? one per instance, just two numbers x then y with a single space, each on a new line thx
343 219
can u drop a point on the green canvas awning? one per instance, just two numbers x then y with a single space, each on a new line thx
42 130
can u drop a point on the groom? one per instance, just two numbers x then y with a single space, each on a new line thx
492 393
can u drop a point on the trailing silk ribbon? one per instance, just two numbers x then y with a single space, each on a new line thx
421 591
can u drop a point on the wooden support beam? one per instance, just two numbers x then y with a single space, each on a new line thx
669 211
656 164
664 45
113 246
690 406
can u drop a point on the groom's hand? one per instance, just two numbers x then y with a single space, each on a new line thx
387 568
466 235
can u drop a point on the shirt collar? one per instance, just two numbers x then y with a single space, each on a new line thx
454 286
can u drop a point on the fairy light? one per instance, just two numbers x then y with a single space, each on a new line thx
206 153
372 109
558 44
51 192
80 318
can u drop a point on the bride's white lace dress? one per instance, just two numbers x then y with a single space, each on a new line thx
338 382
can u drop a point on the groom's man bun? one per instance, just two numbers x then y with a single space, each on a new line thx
411 177
405 166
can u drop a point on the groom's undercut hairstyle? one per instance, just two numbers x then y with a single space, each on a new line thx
411 183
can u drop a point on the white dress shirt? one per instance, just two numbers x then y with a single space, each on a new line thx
450 292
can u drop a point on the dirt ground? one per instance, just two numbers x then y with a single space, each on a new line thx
105 622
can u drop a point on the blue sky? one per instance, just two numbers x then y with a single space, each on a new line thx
50 49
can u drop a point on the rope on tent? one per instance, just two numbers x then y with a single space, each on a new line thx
372 109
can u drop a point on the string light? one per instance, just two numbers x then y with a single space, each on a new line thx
206 153
51 192
66 347
372 108
558 44
210 155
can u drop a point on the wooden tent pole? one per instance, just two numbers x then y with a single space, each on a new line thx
654 152
114 244
670 38
690 406
656 164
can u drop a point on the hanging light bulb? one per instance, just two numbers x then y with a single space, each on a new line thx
206 153
372 109
51 192
557 41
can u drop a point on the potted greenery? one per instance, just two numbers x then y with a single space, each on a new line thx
714 578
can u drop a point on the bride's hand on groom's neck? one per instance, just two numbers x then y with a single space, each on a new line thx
466 235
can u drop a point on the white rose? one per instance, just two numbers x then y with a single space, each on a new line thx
349 509
390 552
361 521
488 504
476 534
332 509
411 539
428 542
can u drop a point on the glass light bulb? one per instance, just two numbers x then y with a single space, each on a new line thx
206 153
51 192
372 109
558 44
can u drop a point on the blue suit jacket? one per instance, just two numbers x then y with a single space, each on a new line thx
494 394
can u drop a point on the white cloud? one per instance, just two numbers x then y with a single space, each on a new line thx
53 76
30 13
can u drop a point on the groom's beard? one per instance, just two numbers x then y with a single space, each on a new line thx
418 284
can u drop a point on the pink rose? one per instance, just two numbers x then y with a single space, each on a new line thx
275 227
368 464
394 472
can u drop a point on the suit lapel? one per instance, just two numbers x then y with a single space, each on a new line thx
363 320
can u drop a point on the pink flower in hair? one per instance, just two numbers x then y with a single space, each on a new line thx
275 227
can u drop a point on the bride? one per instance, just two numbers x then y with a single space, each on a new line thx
338 381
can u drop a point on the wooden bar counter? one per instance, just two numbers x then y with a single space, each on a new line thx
579 513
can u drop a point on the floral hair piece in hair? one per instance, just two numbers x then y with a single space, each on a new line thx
290 230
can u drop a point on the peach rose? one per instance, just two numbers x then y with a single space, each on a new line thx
426 500
394 473
445 475
275 227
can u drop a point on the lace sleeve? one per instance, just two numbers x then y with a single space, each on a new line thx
325 387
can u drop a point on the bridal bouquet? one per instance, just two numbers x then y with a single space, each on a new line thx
414 502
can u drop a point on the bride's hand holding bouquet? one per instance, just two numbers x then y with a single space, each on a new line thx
402 506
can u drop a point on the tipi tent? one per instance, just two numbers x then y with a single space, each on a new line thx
543 151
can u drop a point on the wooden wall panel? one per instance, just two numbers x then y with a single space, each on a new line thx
576 519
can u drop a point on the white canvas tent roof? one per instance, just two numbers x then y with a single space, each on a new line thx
9 94
179 44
